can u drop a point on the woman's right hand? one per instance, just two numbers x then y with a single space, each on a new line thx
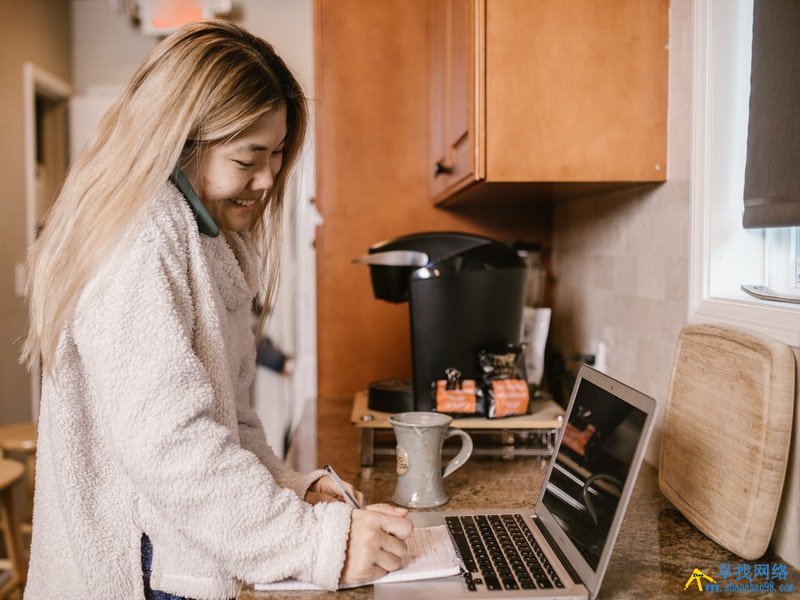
376 544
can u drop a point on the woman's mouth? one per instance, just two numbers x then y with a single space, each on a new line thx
244 203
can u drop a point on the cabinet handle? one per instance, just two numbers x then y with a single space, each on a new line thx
441 169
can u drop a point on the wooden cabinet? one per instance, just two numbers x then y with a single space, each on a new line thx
528 96
454 107
371 103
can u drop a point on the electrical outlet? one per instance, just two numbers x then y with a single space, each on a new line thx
601 357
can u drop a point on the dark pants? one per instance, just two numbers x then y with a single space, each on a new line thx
147 567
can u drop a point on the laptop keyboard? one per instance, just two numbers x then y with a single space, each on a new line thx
500 553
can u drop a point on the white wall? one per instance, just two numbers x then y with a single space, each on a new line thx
107 47
289 26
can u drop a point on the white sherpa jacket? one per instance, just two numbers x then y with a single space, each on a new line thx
146 427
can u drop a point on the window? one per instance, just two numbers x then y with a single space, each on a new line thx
724 254
782 267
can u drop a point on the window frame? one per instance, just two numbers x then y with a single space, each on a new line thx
780 321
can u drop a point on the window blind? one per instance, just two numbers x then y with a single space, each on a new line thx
772 171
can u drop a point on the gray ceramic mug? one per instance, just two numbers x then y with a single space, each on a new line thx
420 437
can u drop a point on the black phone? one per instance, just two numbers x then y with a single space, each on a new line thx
205 223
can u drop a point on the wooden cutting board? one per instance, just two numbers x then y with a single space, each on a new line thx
727 430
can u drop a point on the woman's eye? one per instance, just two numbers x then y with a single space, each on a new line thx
244 164
277 152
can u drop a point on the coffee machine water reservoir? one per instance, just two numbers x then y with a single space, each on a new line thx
465 294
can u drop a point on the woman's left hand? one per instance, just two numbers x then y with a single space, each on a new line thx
325 489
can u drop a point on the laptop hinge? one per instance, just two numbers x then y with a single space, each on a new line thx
561 557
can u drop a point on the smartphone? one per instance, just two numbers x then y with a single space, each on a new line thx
205 223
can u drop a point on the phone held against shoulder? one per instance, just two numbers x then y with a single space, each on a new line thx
205 223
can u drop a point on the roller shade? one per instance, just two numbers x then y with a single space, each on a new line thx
772 172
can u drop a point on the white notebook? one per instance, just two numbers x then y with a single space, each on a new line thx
430 555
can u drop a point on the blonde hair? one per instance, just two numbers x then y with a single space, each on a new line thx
203 84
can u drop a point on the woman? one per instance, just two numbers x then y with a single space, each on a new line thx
153 471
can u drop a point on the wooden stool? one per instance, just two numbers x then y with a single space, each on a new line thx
20 438
11 472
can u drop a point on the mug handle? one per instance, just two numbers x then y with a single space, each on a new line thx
463 454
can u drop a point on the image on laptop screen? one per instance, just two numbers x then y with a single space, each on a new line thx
593 461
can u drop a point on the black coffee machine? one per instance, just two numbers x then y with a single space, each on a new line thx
465 294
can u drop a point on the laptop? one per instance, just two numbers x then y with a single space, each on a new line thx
560 548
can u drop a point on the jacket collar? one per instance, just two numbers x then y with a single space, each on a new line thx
232 266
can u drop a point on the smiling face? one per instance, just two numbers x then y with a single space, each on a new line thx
232 177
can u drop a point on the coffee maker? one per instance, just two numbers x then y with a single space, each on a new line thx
465 293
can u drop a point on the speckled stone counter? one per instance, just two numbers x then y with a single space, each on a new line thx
656 551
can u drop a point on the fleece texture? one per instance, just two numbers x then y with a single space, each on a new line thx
146 427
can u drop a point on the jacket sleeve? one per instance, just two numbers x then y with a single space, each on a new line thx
253 438
154 401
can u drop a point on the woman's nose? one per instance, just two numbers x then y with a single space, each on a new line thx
264 178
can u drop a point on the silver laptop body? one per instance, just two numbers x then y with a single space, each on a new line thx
577 515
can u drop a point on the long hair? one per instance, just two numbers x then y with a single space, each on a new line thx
203 84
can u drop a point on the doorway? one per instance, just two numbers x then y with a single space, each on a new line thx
46 99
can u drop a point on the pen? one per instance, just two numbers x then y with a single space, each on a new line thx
340 484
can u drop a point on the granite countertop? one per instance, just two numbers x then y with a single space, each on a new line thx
655 554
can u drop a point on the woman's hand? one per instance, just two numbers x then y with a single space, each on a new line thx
376 544
325 489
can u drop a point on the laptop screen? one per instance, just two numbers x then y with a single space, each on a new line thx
594 459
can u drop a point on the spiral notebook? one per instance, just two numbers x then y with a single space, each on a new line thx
430 556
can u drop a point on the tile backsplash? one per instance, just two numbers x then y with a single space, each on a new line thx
621 266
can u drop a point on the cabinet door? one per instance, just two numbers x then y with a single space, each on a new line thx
455 99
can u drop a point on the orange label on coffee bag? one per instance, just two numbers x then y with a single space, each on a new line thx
456 401
510 397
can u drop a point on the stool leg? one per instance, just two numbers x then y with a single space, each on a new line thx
13 547
367 447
